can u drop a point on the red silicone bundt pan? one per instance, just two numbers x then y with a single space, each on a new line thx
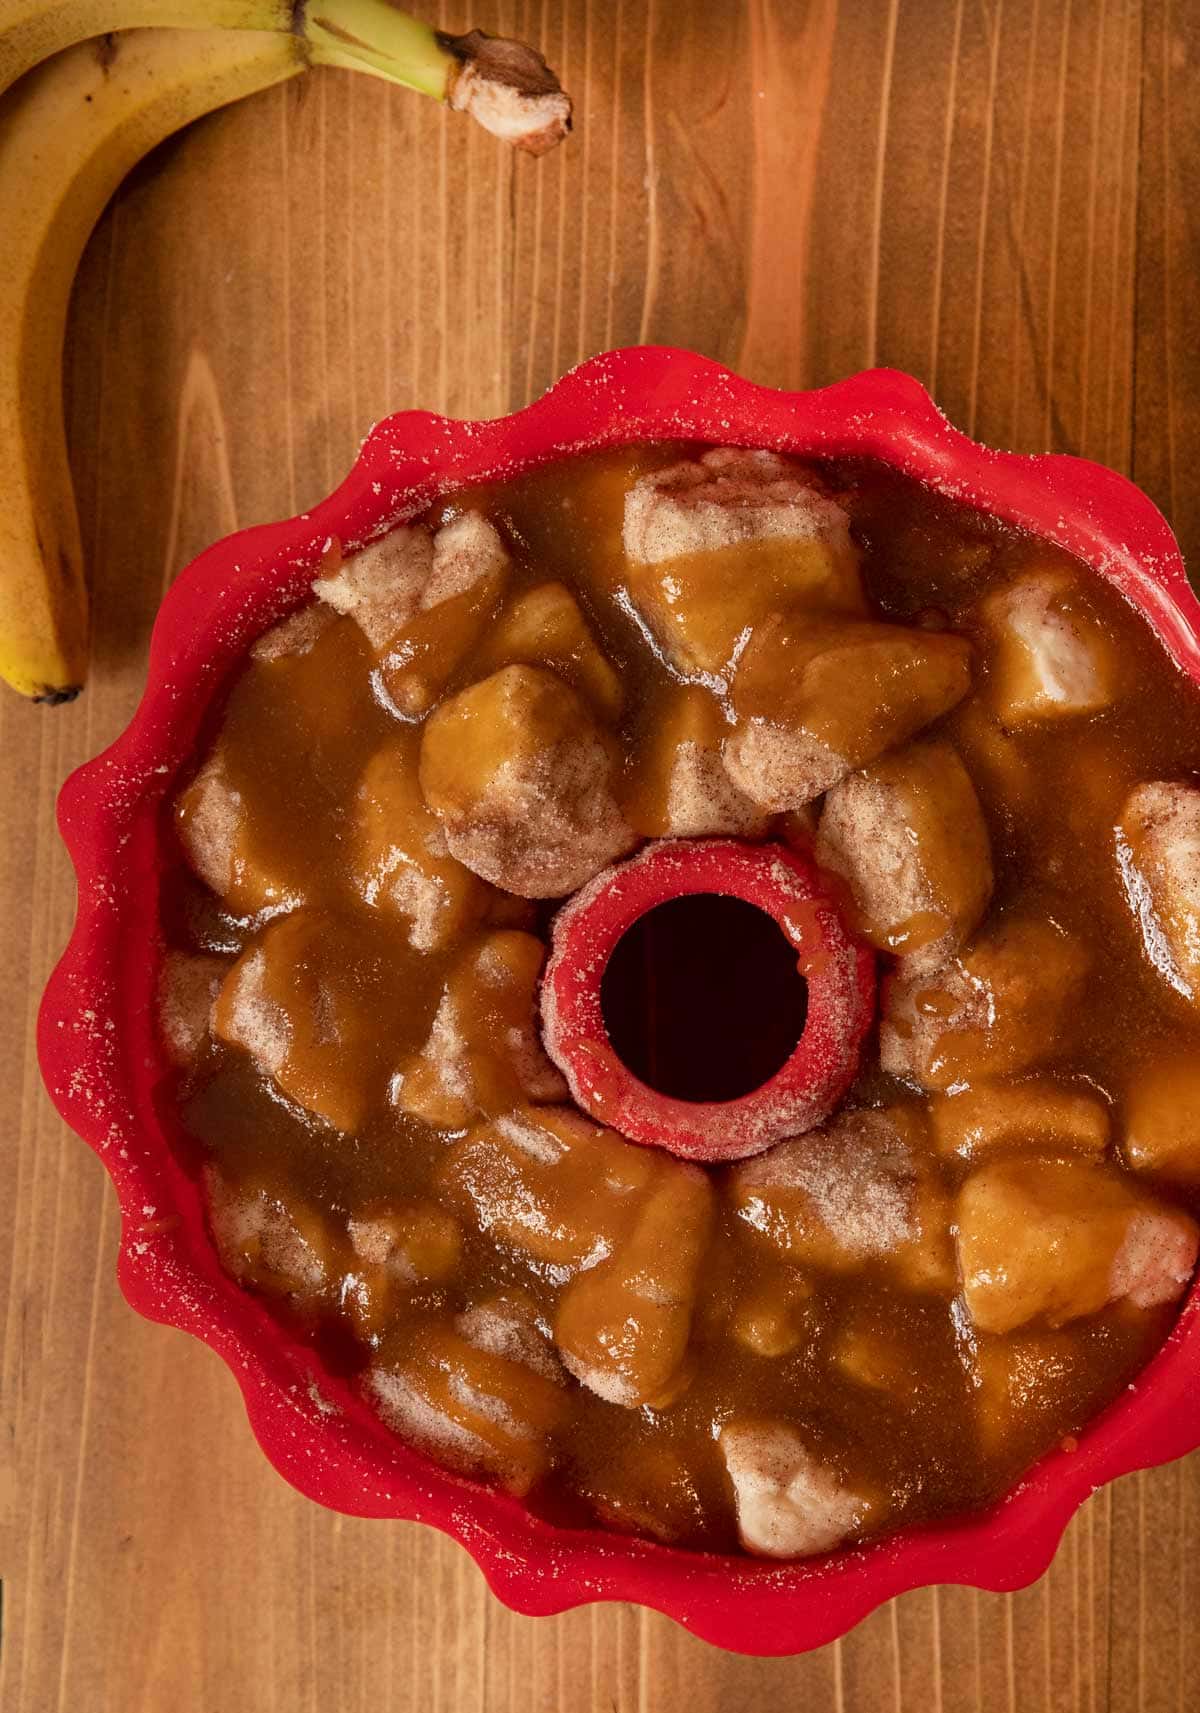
102 1065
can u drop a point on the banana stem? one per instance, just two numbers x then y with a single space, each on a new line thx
504 85
372 35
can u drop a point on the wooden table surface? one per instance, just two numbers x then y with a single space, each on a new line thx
997 195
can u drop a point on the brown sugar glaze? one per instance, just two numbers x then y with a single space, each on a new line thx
296 735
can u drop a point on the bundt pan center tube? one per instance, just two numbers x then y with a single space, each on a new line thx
840 976
104 1068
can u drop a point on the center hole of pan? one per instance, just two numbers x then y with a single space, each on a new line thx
702 998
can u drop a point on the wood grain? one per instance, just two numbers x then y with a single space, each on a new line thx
998 195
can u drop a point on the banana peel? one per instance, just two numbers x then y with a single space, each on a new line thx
69 133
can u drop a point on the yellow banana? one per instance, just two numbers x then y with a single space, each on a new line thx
68 135
71 128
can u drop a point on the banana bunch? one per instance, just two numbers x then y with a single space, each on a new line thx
87 88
